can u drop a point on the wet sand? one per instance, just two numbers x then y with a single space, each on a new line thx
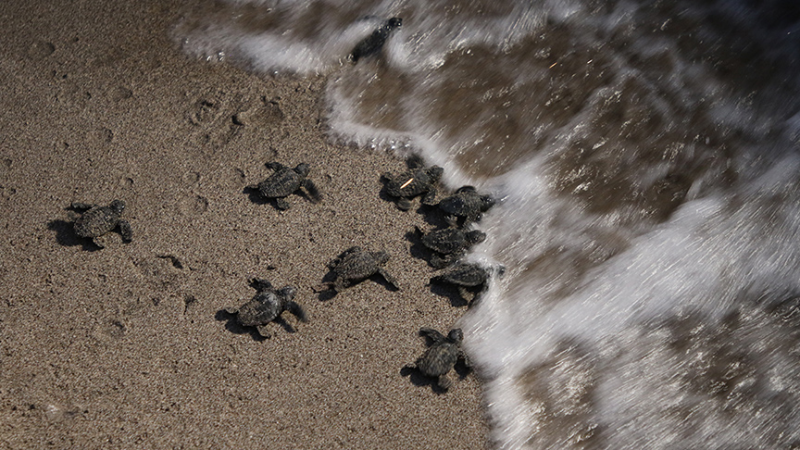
129 346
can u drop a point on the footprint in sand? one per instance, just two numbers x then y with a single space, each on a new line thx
193 205
39 50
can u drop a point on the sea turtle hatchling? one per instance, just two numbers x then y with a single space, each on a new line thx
374 42
468 275
466 204
355 264
418 180
284 182
449 243
99 220
266 306
442 355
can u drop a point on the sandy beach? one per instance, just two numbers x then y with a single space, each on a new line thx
129 346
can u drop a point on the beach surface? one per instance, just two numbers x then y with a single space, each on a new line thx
129 346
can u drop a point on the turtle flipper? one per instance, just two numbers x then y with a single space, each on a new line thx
263 331
125 230
297 310
282 204
313 192
403 204
434 335
390 279
260 284
444 382
276 166
430 197
81 206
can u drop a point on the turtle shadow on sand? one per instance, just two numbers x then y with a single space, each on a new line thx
420 380
255 196
66 237
234 327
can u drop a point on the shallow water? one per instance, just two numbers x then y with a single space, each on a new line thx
646 157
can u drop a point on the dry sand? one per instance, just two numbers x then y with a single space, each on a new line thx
125 347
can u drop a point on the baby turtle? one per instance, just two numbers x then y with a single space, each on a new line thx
467 275
284 182
266 306
374 42
99 220
419 180
465 204
355 265
441 356
450 243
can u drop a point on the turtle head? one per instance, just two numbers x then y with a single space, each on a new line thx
476 237
118 206
394 22
287 292
456 335
435 172
381 257
487 201
302 169
463 189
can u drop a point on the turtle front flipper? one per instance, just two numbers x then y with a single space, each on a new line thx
465 358
430 197
297 311
403 204
125 230
276 166
260 284
98 241
232 310
81 206
390 279
313 192
434 335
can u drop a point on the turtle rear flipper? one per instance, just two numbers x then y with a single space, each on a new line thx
390 279
282 204
444 382
232 310
263 331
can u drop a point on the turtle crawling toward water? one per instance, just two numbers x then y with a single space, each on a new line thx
468 275
418 180
466 205
374 42
450 243
355 264
284 182
442 355
266 306
99 220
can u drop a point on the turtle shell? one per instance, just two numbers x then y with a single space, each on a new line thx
280 184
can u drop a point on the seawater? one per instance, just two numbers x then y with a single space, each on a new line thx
646 157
